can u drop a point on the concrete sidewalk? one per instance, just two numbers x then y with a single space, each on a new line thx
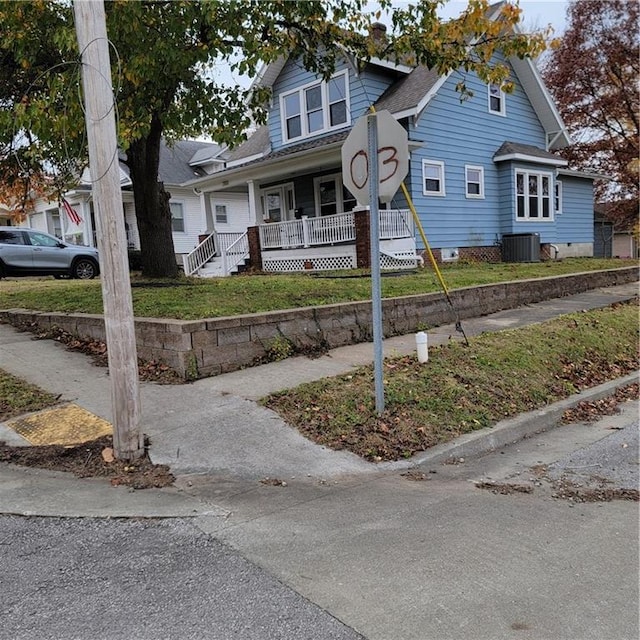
427 556
214 426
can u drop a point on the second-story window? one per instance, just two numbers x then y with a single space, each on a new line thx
497 103
321 106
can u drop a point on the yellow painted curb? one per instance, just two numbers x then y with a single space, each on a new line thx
66 425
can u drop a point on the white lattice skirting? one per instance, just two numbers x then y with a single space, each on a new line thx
404 260
312 263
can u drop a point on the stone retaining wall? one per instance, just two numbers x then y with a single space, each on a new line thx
201 348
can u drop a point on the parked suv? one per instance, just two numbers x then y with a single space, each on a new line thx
27 252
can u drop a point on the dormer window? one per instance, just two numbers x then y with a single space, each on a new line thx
497 100
314 108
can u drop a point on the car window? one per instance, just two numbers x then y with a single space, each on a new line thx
42 240
11 237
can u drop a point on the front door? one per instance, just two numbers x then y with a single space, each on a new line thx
278 203
332 196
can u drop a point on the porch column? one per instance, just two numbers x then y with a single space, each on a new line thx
363 241
255 251
205 205
254 216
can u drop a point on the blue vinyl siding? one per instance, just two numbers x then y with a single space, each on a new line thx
364 89
575 223
459 133
456 133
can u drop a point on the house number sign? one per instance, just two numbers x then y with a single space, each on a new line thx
392 156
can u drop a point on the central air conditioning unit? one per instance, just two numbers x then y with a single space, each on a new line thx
521 247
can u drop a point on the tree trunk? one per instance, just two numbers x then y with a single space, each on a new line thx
153 215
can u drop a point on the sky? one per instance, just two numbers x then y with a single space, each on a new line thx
537 14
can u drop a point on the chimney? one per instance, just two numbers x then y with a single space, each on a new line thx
378 31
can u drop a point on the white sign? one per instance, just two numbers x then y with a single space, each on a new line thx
393 158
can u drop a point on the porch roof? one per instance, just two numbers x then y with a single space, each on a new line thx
316 154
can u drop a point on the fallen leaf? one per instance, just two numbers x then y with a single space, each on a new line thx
107 454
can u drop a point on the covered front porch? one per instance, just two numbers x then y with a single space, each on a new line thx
338 241
300 217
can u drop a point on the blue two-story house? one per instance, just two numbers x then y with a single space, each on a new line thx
482 173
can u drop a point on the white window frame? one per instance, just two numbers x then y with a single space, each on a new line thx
220 220
326 108
440 166
527 196
501 96
287 196
180 204
557 197
480 181
50 216
340 189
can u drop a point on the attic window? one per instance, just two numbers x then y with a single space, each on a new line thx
497 100
314 108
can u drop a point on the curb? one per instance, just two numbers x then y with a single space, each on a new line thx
512 430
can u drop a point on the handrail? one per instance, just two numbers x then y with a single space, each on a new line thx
235 253
200 255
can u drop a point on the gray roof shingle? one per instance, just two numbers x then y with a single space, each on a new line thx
174 160
407 92
509 148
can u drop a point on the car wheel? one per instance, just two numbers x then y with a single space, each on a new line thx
2 270
84 269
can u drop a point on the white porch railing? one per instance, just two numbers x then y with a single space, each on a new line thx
396 223
335 229
308 232
199 256
235 253
225 240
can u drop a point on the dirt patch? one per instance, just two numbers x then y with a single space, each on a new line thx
505 488
567 490
592 411
91 459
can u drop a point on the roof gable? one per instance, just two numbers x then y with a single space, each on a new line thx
176 160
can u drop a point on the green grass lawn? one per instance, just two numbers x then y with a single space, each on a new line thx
18 397
192 298
464 388
460 389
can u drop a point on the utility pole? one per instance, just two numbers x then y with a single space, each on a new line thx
91 31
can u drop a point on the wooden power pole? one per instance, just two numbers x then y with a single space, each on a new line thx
91 31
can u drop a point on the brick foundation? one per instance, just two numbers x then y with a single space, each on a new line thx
467 254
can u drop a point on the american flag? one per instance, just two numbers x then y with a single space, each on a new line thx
74 216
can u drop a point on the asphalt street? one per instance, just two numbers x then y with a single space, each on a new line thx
102 579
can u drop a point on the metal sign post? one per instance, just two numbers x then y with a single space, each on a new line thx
375 160
374 228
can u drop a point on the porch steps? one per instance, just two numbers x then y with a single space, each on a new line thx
214 269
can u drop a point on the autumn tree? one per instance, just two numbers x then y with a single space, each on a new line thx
593 76
164 55
23 176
